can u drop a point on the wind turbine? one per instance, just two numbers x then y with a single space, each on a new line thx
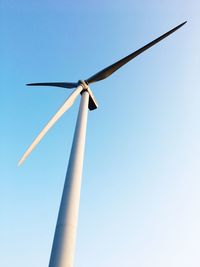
63 248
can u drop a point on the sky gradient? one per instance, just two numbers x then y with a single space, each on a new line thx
140 199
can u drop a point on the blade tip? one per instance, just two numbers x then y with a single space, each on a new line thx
183 23
19 163
32 84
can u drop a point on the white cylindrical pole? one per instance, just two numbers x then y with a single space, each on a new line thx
63 248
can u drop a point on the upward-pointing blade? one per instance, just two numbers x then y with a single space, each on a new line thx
112 68
57 84
67 104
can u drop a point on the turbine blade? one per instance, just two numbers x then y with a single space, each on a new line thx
67 104
112 68
57 84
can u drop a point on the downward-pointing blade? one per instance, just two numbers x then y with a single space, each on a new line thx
57 84
112 68
67 104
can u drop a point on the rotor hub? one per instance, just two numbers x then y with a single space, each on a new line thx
92 101
84 84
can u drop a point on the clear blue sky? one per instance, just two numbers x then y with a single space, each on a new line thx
140 199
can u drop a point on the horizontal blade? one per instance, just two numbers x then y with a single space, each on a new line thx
57 84
112 68
67 104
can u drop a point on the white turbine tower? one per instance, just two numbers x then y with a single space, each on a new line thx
63 248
